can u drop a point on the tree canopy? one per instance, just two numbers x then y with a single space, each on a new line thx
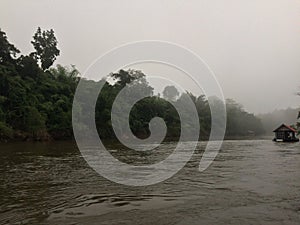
170 93
7 50
36 99
45 45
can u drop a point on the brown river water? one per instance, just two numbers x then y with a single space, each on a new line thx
250 182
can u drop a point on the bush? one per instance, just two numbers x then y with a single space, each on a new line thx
5 131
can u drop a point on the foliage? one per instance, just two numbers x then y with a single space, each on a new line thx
5 131
170 93
45 45
274 119
36 100
7 50
239 122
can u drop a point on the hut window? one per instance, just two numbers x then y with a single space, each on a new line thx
280 135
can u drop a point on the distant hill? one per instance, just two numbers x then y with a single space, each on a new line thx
272 120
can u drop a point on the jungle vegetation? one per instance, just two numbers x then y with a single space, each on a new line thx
36 98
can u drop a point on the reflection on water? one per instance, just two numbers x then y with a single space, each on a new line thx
249 182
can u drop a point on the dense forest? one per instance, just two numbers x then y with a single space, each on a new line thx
36 98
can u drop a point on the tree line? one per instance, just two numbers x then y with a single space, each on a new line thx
274 119
36 98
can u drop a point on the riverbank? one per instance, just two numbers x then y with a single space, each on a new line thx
47 138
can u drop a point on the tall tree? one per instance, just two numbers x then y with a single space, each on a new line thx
7 50
45 45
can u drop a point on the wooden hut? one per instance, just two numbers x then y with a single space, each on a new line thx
285 133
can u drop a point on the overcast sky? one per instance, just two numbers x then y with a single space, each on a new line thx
253 46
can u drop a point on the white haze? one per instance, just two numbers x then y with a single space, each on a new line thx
253 46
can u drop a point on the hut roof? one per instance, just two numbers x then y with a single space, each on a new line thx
286 127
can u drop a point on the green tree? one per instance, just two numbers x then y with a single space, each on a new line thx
7 50
240 122
34 120
45 45
28 66
37 102
170 93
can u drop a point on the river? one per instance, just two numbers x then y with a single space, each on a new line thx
249 182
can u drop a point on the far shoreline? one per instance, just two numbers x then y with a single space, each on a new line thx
112 140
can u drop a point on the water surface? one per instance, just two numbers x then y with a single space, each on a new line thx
250 182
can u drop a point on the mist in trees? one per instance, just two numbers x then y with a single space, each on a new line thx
274 119
170 93
36 99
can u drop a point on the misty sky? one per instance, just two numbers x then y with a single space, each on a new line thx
253 46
